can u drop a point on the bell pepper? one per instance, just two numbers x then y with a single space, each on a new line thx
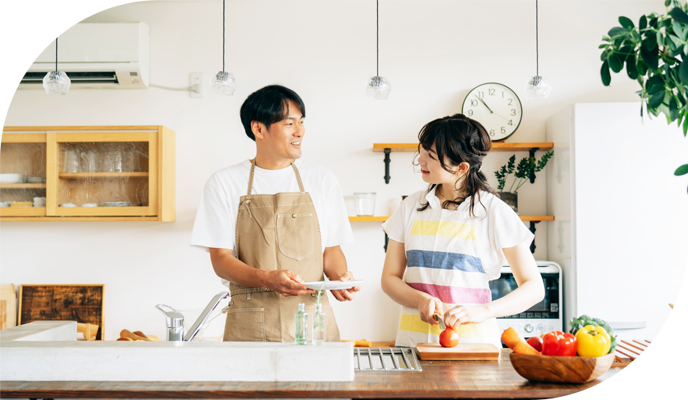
593 341
558 343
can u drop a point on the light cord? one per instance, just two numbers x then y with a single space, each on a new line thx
377 6
537 62
56 11
223 35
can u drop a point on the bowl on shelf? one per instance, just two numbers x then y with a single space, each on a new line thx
35 179
116 204
12 178
68 205
89 205
576 369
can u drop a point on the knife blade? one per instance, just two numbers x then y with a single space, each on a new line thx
439 319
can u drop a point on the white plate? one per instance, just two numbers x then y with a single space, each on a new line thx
12 178
332 285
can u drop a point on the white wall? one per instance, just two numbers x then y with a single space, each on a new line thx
433 52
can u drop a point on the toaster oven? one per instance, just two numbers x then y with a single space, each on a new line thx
545 316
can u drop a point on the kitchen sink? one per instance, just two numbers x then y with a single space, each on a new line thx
48 351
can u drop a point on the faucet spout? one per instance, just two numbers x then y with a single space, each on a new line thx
196 327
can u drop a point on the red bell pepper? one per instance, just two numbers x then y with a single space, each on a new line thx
557 343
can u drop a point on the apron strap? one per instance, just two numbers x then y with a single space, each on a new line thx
250 176
298 178
253 168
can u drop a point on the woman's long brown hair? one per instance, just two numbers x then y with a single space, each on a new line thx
459 139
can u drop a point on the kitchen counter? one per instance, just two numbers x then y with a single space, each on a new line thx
457 379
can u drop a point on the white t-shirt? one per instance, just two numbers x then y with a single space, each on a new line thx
216 216
500 229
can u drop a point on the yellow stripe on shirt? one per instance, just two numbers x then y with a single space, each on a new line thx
444 228
413 323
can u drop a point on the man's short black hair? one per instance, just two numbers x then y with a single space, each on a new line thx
268 105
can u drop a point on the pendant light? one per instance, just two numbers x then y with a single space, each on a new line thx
537 86
378 87
56 82
223 82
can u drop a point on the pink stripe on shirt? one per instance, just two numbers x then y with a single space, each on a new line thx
453 294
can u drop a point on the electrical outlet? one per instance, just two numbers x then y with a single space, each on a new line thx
196 84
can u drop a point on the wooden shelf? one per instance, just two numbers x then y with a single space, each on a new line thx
22 185
75 219
528 218
87 175
496 146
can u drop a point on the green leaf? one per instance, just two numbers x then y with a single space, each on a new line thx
656 100
673 109
683 72
682 170
655 89
685 127
650 41
651 59
642 24
653 22
666 3
605 54
615 62
678 15
617 31
660 39
641 67
626 23
630 67
606 75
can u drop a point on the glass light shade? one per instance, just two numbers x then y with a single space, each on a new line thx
223 83
56 82
378 88
537 87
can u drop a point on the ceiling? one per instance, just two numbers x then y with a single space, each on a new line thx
27 3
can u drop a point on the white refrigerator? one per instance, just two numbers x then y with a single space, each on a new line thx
620 231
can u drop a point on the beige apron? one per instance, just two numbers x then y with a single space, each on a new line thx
276 232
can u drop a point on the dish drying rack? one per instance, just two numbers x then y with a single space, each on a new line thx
385 359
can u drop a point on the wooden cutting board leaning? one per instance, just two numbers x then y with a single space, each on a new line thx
462 352
8 306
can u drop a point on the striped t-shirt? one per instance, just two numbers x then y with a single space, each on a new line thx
452 256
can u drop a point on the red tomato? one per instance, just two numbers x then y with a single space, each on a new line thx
557 343
536 343
449 338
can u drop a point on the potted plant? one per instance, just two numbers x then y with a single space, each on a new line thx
524 170
653 52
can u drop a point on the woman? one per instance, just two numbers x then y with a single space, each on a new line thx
447 242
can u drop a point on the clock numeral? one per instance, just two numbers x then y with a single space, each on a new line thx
511 123
491 92
510 101
503 130
474 103
481 95
470 113
492 132
513 112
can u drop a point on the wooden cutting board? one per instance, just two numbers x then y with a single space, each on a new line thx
462 352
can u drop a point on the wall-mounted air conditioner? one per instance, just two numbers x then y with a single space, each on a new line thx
97 55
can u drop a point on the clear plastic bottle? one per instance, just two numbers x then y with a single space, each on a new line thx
301 332
318 325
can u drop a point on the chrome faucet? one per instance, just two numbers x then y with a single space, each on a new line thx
175 320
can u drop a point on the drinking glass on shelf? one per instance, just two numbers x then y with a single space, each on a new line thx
88 160
71 160
365 203
130 159
113 158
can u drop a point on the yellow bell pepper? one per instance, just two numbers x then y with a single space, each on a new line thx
593 341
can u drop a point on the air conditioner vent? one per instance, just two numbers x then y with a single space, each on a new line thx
103 77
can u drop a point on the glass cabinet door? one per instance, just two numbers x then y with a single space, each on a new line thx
102 174
22 175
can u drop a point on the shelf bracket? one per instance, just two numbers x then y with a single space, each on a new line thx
532 157
532 229
386 241
387 177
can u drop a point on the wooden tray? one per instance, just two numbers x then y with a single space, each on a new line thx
462 352
650 353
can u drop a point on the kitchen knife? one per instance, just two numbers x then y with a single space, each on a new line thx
439 319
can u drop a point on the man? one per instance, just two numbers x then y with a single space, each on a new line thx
273 223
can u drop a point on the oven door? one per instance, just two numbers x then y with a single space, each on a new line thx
542 317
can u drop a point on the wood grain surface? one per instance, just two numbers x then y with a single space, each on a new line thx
80 303
462 351
438 379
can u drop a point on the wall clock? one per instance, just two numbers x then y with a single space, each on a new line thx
495 106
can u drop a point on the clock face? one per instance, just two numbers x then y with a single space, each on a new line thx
496 107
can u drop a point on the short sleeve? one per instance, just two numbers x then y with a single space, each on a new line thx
337 220
507 228
394 226
215 219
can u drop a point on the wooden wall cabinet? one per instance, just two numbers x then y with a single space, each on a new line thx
91 173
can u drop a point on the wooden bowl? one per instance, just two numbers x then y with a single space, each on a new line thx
560 369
